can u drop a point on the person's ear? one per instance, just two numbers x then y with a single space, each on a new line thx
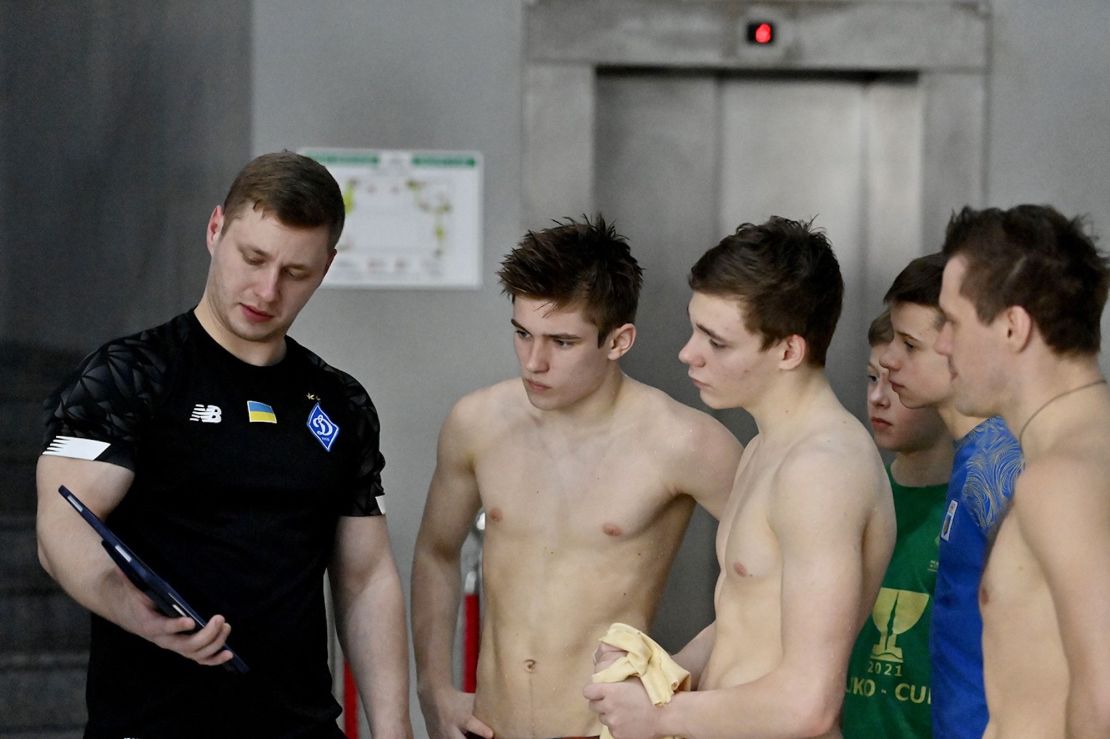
215 227
621 340
792 352
1018 326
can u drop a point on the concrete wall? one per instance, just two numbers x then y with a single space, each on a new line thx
121 126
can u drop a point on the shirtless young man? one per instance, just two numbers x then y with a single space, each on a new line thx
1023 293
809 526
986 463
588 479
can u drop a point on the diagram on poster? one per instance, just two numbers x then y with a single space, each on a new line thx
414 218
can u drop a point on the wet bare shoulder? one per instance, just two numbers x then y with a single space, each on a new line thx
699 454
487 414
835 435
1085 448
1064 480
673 425
836 460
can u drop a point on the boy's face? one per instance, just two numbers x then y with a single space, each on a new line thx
896 427
918 373
727 363
560 361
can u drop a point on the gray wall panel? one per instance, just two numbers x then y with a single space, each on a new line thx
558 141
828 35
123 124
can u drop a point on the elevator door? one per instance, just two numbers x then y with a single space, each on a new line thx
683 158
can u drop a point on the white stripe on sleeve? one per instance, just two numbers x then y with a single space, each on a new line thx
71 446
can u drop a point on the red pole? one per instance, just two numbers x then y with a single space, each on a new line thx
472 619
350 702
472 609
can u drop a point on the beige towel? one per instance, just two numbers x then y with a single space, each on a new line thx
661 676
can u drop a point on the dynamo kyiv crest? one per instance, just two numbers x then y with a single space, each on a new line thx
322 427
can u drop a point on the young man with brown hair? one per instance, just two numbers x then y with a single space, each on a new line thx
240 467
888 675
809 526
1023 295
986 463
588 479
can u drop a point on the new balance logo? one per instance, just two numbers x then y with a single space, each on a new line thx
76 448
206 413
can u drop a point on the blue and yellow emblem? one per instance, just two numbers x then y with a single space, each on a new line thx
260 412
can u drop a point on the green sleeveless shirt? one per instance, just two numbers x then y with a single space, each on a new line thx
888 675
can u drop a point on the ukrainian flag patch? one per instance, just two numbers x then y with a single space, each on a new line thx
260 412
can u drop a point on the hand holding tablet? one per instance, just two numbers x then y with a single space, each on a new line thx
165 598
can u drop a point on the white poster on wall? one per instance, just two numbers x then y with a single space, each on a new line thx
414 218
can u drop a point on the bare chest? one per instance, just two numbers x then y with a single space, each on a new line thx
747 549
1012 592
1024 669
562 494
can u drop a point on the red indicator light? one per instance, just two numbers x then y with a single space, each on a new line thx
761 33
